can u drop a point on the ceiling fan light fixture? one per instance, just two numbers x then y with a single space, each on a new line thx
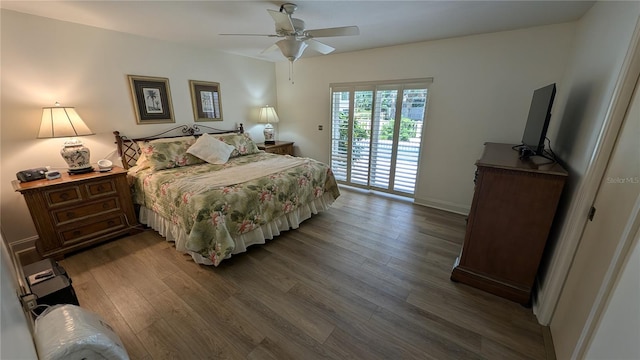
291 48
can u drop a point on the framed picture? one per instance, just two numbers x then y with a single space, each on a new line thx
151 99
206 100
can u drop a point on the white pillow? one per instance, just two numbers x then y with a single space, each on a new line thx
211 150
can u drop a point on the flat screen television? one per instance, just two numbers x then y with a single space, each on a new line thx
535 131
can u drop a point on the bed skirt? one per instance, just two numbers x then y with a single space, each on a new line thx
291 220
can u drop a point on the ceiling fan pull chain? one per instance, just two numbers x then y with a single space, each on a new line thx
291 71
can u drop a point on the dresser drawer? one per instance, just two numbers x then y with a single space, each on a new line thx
101 226
64 196
100 188
282 150
279 148
85 210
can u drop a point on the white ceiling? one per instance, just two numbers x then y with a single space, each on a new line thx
381 23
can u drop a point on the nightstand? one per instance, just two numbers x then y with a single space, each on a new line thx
76 211
280 147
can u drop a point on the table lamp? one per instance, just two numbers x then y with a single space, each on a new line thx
58 121
268 115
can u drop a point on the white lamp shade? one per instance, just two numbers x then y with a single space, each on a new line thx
60 121
268 115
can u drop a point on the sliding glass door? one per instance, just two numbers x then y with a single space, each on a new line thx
370 148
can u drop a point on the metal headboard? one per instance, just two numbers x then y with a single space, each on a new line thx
129 151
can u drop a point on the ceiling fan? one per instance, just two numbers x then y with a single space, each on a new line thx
296 38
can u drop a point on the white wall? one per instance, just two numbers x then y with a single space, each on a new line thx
481 93
44 61
601 44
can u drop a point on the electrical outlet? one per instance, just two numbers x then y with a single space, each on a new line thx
320 127
29 301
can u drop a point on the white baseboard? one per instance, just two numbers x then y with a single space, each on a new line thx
444 205
23 244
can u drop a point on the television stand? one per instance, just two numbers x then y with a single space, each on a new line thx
513 207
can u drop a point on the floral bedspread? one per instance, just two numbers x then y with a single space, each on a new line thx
213 216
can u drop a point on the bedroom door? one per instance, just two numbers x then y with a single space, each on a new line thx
370 148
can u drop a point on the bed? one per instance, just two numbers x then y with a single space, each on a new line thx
213 207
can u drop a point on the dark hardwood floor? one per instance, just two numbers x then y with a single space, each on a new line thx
367 279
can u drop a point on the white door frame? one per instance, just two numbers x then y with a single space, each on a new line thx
545 303
619 259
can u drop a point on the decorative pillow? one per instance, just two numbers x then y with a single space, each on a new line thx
169 153
211 149
241 142
142 160
141 163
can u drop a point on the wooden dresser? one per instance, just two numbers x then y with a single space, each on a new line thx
280 147
513 207
76 211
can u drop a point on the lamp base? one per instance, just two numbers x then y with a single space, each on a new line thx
77 157
269 134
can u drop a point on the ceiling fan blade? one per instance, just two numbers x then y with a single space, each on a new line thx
269 49
267 35
283 21
319 47
337 31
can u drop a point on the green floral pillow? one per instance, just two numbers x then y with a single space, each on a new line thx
168 153
242 143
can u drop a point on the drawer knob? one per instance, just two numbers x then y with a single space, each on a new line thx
71 214
77 233
111 222
100 188
105 205
64 196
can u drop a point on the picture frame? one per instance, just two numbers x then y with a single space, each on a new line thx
206 100
151 98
